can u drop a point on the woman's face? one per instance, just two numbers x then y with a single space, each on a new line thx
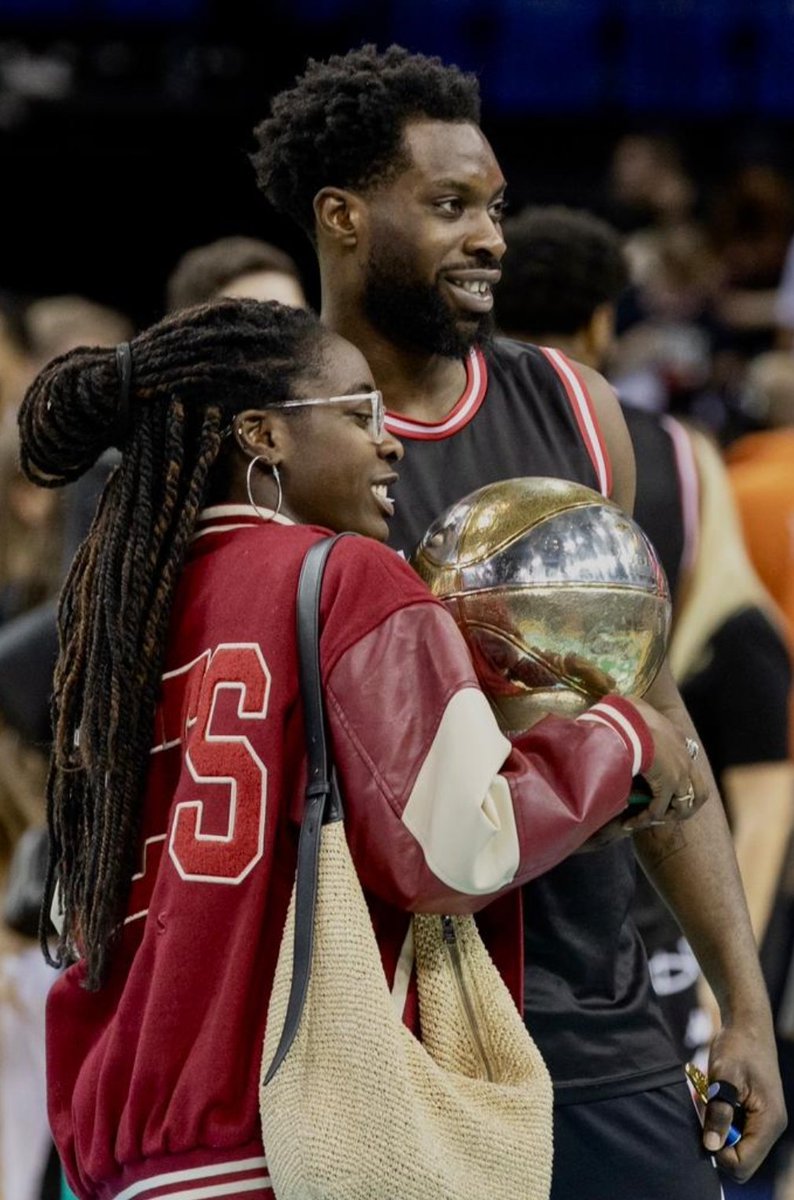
332 471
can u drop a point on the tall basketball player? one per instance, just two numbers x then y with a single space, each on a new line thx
381 160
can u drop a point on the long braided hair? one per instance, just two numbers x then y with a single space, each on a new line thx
190 374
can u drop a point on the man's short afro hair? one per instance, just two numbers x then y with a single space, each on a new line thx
341 124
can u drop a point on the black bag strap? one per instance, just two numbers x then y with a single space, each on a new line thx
323 802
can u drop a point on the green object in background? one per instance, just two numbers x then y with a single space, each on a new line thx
66 1191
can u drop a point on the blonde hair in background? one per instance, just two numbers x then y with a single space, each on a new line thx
56 324
30 535
723 580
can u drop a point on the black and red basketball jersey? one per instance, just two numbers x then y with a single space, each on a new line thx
588 1000
524 411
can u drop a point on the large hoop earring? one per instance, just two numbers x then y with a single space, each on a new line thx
251 500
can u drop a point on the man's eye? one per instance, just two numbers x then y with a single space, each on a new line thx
498 210
363 418
452 205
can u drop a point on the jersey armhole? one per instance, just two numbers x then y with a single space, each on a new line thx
586 416
688 488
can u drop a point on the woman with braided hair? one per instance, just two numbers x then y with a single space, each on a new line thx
248 431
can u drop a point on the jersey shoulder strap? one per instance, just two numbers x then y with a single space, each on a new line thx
581 402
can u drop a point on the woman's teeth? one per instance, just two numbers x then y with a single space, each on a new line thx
385 501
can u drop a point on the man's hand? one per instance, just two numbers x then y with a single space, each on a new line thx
744 1055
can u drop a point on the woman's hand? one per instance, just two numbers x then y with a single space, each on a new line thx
677 784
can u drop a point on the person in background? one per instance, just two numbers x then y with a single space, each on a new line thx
31 533
751 226
761 466
729 650
561 283
46 328
34 330
16 366
562 277
37 541
32 528
56 324
784 303
234 266
648 186
667 355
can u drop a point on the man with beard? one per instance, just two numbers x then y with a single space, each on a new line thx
381 160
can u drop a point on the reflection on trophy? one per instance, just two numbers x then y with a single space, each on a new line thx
559 594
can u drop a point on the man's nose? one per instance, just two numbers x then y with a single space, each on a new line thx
486 235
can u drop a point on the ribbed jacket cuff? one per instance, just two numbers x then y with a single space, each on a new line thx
623 717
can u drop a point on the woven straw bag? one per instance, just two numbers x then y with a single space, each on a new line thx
353 1106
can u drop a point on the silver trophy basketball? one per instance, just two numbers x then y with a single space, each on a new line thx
558 593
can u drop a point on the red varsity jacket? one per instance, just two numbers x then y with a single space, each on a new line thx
153 1079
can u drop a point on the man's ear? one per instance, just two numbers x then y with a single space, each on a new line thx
339 215
261 431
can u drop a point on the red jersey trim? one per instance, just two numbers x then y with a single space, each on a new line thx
689 488
586 418
464 411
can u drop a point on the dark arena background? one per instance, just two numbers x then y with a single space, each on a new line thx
125 124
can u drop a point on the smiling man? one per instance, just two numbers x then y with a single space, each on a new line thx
381 160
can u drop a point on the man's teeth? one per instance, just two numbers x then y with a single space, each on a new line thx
477 287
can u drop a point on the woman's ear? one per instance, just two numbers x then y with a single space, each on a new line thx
339 215
260 432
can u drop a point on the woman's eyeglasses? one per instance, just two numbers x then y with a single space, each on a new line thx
377 421
377 417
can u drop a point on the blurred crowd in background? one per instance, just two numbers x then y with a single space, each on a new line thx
685 295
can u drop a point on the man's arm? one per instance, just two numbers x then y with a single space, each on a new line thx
693 867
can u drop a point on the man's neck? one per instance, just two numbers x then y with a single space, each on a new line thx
423 386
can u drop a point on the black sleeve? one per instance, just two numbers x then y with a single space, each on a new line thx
29 643
28 650
739 699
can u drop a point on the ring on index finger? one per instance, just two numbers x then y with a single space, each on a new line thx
692 748
686 802
721 1089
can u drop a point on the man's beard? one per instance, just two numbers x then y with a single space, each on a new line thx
414 315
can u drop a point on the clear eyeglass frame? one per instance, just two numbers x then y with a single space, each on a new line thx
377 422
377 425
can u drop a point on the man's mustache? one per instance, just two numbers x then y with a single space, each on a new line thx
483 262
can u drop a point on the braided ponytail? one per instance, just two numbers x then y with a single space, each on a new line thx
190 374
